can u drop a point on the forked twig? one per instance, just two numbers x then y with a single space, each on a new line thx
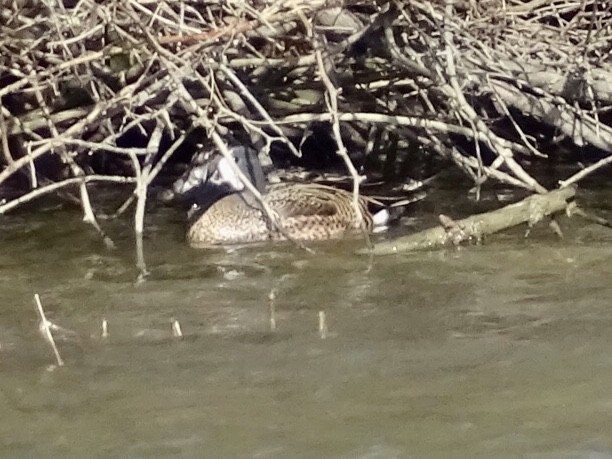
45 327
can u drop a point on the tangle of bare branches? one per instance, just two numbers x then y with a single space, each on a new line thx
486 85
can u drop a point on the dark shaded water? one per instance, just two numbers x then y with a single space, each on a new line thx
503 350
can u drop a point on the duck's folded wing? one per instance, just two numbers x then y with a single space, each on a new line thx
298 200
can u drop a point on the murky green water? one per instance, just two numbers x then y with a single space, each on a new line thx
503 350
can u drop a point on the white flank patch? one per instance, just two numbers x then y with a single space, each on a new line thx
381 218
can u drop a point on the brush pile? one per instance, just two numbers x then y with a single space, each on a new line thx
109 90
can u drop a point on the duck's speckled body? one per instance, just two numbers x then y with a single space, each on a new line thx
228 213
305 212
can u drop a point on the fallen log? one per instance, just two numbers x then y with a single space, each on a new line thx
530 210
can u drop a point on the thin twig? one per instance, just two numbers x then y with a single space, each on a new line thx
45 328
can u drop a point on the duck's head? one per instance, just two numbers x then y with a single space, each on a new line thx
212 176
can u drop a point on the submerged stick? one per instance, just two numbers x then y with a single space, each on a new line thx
45 328
141 263
530 210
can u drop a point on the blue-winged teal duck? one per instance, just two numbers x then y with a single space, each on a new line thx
227 213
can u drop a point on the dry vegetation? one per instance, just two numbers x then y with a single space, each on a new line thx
109 91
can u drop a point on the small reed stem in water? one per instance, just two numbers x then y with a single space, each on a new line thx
322 325
104 329
272 297
176 329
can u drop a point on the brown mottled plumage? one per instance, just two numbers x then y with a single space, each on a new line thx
306 212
